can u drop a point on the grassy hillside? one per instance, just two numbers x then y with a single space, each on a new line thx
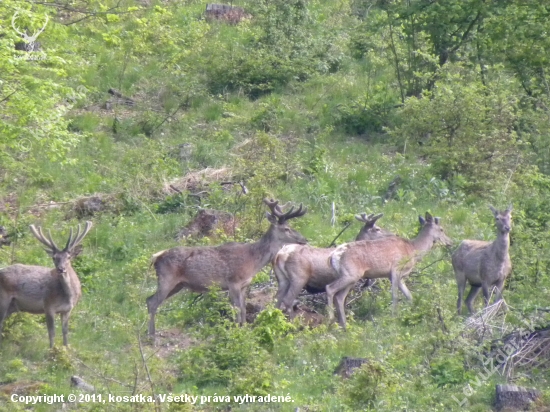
324 103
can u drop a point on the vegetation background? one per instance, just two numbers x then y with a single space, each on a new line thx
324 102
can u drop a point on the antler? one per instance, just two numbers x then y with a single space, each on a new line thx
370 219
278 213
78 238
37 232
24 35
71 243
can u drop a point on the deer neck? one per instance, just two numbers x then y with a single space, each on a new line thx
265 249
71 284
501 245
423 242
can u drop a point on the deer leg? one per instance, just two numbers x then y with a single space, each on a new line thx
242 303
403 288
65 326
340 299
461 283
235 293
50 323
499 286
164 290
486 293
394 285
291 295
284 284
4 313
332 290
474 291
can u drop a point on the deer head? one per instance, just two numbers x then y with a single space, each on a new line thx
503 220
278 219
430 227
62 257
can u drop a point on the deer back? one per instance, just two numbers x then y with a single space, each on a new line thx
198 268
373 258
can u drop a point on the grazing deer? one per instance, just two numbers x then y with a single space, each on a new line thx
389 257
482 264
303 266
231 265
38 289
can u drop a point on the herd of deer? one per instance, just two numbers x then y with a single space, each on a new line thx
375 253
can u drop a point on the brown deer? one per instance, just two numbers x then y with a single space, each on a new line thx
303 266
38 289
484 265
231 265
390 257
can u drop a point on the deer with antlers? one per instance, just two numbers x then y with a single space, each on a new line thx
230 266
38 289
391 257
302 266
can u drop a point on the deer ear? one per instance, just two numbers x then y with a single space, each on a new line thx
437 220
421 220
272 219
429 217
509 209
49 252
495 212
77 250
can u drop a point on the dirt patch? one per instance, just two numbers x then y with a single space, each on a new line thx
258 299
8 204
199 180
207 222
170 341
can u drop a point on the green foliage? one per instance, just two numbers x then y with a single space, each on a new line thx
466 132
230 354
269 325
367 384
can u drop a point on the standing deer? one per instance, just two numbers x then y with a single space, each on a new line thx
303 266
231 265
389 257
38 289
482 264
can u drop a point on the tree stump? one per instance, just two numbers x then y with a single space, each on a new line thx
347 365
514 398
4 240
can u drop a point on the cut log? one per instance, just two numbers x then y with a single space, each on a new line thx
515 398
78 382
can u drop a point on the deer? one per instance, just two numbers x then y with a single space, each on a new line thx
304 266
231 266
484 265
389 257
42 290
